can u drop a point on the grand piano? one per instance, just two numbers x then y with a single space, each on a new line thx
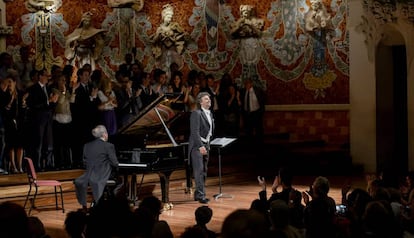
146 144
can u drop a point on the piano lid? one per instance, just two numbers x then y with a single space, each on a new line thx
152 119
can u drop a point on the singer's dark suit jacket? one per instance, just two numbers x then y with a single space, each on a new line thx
199 127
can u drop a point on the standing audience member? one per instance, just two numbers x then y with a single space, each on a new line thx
107 106
201 131
231 108
253 99
12 108
24 66
136 75
100 159
192 77
145 91
179 90
41 104
289 195
6 65
84 115
190 98
160 86
284 180
68 73
2 145
126 66
213 90
319 212
128 101
62 123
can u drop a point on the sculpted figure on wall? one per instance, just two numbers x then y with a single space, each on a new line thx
248 30
43 5
137 5
84 45
317 17
169 34
248 24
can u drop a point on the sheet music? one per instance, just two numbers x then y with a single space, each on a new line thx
222 141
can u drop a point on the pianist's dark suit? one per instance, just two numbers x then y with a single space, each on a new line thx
199 128
100 159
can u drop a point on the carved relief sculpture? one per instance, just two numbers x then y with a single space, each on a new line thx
248 29
42 13
84 45
169 39
137 5
247 25
169 34
318 25
43 5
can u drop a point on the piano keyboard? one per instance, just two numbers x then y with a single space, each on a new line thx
132 165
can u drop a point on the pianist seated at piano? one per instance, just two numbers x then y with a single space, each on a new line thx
100 159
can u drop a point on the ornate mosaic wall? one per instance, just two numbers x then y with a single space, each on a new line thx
297 61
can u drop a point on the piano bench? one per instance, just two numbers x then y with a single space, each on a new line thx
109 189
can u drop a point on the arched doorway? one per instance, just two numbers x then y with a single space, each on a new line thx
391 105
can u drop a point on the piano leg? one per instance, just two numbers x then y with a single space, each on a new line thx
165 189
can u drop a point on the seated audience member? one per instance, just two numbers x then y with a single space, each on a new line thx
14 222
75 224
160 229
194 232
355 204
379 221
406 187
319 213
279 216
143 223
243 223
100 159
110 218
203 216
36 228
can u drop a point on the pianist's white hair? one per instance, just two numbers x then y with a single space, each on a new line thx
99 131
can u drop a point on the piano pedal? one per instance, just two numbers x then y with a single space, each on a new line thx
168 206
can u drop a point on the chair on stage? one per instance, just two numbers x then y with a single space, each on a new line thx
34 182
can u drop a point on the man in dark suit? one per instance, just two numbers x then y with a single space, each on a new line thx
41 103
84 115
201 131
100 159
253 107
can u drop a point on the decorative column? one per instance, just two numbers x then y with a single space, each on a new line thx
4 29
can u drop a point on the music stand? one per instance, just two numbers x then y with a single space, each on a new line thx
220 143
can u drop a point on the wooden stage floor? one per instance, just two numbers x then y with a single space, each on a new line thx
242 186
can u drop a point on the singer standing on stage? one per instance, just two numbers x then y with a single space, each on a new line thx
201 132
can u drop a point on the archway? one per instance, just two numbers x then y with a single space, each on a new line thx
391 105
